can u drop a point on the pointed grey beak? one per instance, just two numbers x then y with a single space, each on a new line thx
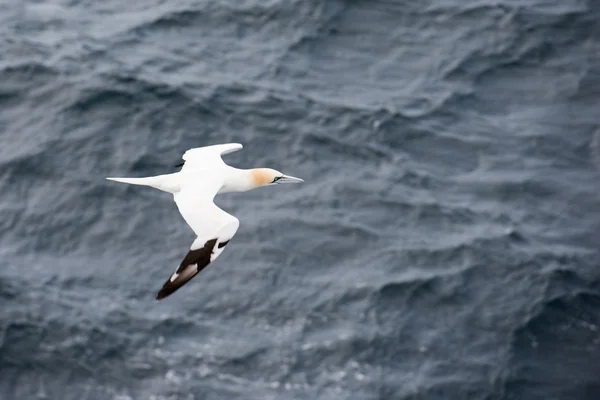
288 179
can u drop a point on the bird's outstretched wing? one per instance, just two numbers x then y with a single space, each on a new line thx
207 156
214 229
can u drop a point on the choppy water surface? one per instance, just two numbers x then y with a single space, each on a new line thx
445 245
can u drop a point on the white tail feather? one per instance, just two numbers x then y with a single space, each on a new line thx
167 183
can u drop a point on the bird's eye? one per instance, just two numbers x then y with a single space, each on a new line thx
276 179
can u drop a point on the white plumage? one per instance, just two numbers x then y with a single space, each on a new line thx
203 175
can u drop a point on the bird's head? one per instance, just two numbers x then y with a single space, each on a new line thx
267 176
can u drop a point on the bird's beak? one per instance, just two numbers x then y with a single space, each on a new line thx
288 179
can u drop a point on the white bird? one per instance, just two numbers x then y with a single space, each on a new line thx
204 175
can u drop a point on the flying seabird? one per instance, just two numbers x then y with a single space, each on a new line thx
204 175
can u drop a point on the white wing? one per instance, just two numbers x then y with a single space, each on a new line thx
214 229
208 156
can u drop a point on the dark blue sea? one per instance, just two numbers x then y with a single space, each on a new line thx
445 245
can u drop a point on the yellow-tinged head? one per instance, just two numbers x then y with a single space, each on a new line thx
267 176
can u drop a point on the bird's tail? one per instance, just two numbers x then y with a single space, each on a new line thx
167 183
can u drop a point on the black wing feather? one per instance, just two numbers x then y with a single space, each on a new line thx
194 262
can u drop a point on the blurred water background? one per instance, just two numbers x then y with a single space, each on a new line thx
444 245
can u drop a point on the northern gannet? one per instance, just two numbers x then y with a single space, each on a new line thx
204 175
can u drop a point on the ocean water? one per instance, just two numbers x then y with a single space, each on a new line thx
444 246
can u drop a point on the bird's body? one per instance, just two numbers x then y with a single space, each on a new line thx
203 176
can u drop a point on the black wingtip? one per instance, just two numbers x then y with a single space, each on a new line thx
180 164
194 262
161 295
170 287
